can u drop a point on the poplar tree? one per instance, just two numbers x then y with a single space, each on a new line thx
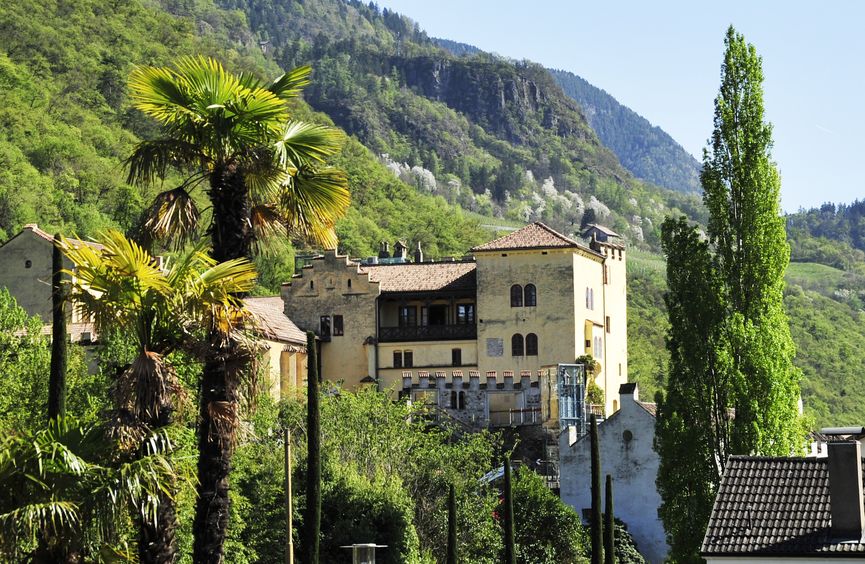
510 543
57 376
609 524
732 386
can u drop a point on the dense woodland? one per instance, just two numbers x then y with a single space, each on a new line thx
451 169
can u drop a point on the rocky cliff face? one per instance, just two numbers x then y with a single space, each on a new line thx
505 99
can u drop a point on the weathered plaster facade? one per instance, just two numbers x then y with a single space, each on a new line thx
627 455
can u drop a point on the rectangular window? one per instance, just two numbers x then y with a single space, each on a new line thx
424 316
407 316
453 403
407 359
608 324
397 359
466 314
324 326
606 274
461 400
457 357
337 326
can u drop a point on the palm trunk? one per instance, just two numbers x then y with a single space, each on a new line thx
224 366
157 543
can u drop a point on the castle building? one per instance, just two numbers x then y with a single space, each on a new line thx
518 305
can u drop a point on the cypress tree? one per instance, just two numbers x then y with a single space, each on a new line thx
597 526
57 376
510 543
312 521
452 526
609 524
729 337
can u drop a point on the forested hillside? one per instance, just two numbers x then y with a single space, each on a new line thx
467 139
495 136
646 150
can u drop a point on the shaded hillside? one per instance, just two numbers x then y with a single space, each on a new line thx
646 150
495 136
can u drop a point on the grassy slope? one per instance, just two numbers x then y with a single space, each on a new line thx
829 336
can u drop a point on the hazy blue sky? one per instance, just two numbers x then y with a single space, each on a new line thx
663 58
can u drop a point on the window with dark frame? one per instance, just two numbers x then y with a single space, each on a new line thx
465 314
517 348
337 326
531 345
397 359
457 357
531 295
516 296
408 316
324 326
407 359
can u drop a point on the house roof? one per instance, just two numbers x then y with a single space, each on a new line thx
34 228
606 230
774 507
650 407
423 277
533 236
272 321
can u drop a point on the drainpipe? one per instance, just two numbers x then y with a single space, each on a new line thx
375 346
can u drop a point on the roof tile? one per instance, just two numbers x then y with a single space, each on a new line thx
533 236
423 277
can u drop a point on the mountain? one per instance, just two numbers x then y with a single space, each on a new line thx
647 151
491 135
466 139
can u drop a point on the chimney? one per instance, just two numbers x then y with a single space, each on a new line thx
400 250
845 489
418 254
628 394
384 250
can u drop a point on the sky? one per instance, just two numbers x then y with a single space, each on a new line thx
663 58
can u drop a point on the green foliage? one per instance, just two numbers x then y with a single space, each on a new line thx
729 337
547 530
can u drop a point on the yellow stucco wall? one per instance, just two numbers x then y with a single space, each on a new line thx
430 356
324 290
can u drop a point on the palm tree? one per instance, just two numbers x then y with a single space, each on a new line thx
263 174
160 309
65 497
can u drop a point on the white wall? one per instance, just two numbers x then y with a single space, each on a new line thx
633 465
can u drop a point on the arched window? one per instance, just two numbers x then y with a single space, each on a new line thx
517 345
531 294
531 345
516 296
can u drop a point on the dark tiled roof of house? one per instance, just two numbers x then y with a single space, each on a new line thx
424 277
534 236
774 507
272 322
606 230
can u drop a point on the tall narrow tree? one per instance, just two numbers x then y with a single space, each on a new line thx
452 527
312 522
597 523
510 542
609 524
264 176
57 378
731 349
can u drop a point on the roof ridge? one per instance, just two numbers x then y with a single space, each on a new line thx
556 233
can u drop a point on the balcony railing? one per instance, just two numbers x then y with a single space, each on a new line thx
427 333
515 417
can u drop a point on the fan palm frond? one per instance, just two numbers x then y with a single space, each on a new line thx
306 143
311 203
150 160
172 218
290 84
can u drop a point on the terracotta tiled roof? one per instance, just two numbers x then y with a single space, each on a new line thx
423 277
533 236
48 237
651 408
272 321
774 507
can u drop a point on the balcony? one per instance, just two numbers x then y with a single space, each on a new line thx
460 332
515 417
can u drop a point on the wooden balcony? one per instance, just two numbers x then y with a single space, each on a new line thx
460 332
